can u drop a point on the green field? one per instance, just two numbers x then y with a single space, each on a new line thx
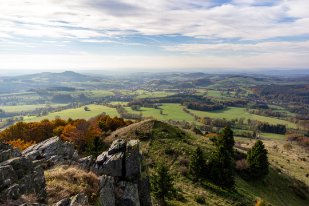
238 112
78 113
28 108
273 136
146 94
170 111
99 93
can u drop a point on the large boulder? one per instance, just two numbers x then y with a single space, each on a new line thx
112 162
52 151
19 176
132 160
120 169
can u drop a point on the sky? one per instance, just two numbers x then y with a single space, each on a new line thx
154 34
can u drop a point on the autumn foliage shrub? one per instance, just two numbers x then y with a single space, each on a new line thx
86 135
20 144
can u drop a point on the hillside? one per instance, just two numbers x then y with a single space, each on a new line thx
162 142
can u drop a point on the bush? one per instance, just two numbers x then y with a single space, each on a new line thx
20 144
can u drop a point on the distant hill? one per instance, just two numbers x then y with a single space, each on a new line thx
43 80
58 77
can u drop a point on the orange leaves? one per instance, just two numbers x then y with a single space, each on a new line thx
80 132
20 144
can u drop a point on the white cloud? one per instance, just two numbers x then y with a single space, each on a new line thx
185 17
264 47
108 21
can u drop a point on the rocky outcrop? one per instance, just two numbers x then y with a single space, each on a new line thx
19 176
51 152
120 169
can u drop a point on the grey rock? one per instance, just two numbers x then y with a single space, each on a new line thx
133 160
121 183
77 200
19 176
118 145
107 196
111 165
51 152
64 202
13 192
86 163
127 194
144 191
21 165
7 175
8 152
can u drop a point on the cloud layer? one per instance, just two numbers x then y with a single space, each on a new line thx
200 28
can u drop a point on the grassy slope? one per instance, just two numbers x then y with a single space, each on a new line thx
158 138
238 112
77 113
292 161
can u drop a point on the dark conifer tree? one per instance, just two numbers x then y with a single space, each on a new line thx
197 164
221 168
226 140
257 160
162 184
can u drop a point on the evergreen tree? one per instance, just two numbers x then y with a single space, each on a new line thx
221 169
197 164
226 140
162 184
257 160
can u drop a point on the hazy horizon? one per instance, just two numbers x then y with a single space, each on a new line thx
127 35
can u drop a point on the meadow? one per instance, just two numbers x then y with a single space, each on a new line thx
169 112
230 113
76 113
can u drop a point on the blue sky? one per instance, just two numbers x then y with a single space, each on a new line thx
160 34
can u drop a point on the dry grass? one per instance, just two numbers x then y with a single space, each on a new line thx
64 181
134 131
29 199
289 157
